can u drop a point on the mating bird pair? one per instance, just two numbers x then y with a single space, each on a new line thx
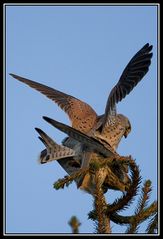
92 137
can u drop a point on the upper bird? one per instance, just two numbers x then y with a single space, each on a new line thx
109 127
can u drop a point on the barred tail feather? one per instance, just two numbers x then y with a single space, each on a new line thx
53 151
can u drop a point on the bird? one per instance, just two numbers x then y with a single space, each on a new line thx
70 159
102 133
109 127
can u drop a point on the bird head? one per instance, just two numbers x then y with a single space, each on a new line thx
126 124
127 128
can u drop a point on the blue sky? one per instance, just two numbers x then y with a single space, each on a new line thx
82 51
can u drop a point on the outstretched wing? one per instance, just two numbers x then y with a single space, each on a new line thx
81 114
132 74
88 142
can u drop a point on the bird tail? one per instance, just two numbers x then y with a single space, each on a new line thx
53 151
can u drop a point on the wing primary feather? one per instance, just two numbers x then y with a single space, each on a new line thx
133 73
66 102
81 137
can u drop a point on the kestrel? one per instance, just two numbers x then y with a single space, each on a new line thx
113 177
80 146
90 133
110 127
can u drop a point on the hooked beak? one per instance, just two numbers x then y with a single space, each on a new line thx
127 132
125 135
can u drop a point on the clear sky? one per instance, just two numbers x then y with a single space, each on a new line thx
82 51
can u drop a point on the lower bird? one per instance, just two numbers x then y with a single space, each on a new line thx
113 176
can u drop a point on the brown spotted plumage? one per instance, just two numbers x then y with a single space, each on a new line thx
92 136
81 115
110 127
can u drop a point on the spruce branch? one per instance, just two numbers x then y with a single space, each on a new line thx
142 203
149 211
103 222
146 213
74 224
153 225
142 212
67 180
127 198
105 176
119 219
140 217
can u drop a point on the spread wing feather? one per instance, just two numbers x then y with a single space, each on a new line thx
88 142
79 112
132 74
